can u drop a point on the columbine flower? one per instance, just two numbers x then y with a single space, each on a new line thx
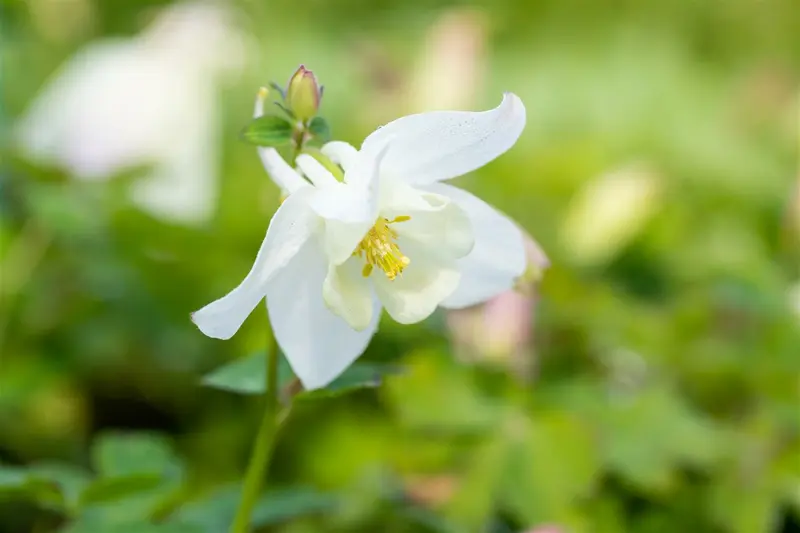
390 235
150 100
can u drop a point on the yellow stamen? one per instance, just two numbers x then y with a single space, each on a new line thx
379 249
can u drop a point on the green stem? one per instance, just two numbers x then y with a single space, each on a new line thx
262 449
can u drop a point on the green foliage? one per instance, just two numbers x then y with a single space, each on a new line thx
268 130
320 130
659 392
248 375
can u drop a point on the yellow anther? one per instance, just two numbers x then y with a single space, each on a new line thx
379 249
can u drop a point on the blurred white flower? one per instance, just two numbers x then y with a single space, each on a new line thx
609 212
121 104
390 235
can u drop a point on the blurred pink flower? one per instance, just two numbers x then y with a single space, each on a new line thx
448 72
500 331
451 67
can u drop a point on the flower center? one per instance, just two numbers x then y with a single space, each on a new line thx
379 249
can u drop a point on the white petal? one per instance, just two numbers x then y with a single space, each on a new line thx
440 145
341 239
498 257
288 231
314 171
356 200
279 170
436 222
318 344
414 295
349 294
341 153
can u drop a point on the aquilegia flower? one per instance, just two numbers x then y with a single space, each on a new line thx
148 104
390 235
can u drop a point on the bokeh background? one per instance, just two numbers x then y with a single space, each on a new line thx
649 383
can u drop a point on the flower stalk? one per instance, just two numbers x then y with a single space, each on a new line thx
264 443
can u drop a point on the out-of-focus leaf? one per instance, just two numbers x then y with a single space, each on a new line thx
134 454
91 526
21 482
12 477
113 489
268 130
437 393
126 500
647 436
552 463
283 505
247 375
357 376
428 520
215 513
70 480
474 500
320 130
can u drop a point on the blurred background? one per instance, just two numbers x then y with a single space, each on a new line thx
648 383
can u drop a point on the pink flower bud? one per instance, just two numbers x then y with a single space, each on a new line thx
303 94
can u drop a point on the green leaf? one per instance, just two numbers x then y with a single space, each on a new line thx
268 130
92 526
24 483
247 375
552 463
12 477
134 454
114 489
291 503
116 501
216 512
70 480
319 129
356 377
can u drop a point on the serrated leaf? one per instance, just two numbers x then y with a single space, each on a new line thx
133 454
216 512
268 130
247 375
319 129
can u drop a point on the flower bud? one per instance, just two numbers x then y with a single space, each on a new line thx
303 94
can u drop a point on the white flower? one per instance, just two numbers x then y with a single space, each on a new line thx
390 235
120 104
